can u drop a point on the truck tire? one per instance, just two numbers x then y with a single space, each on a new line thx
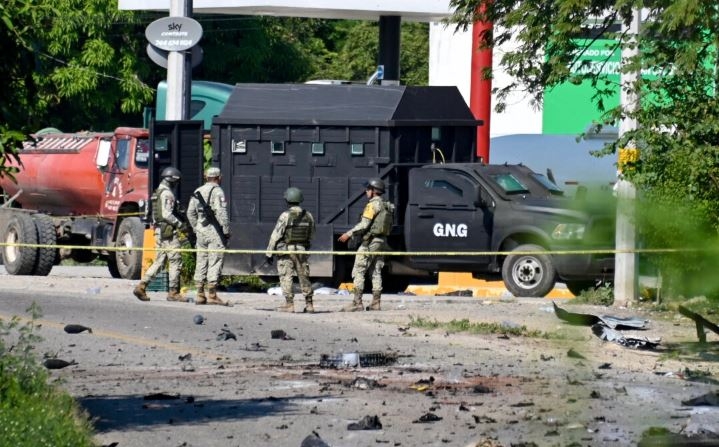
528 275
112 265
20 230
130 235
46 235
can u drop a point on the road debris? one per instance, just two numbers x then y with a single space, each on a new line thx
705 400
313 440
354 359
198 319
617 337
279 334
427 417
53 363
366 423
591 320
77 329
700 322
226 334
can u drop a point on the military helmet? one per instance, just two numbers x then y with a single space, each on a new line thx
213 172
293 195
377 184
171 174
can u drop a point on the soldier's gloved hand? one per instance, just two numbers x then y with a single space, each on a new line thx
269 259
184 227
227 236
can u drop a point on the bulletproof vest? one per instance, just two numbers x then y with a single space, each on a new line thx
382 222
299 228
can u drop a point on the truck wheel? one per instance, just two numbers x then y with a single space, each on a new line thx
528 275
130 235
20 230
46 235
112 265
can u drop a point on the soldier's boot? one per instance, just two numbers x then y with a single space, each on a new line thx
201 297
174 295
309 307
212 297
289 305
375 304
140 291
356 304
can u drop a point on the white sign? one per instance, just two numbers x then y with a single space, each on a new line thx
174 33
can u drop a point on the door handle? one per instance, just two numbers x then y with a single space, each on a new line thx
425 215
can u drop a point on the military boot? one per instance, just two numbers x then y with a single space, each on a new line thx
174 295
375 304
309 308
212 297
356 303
289 305
201 297
141 291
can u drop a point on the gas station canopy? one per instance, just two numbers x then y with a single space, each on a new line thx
409 10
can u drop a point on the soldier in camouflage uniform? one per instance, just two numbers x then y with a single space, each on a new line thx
167 241
374 238
212 235
293 232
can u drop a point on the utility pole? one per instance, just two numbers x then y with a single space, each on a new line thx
179 70
625 268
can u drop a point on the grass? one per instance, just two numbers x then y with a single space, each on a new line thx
465 326
32 411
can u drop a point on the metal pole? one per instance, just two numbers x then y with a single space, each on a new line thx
625 273
178 71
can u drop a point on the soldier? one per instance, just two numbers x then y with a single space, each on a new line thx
373 227
207 213
168 225
293 232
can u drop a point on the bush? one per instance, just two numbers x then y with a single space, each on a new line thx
32 412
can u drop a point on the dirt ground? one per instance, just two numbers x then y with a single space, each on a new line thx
560 386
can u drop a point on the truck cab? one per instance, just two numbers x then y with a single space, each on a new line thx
506 218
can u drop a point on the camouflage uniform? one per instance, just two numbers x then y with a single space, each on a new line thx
293 264
364 261
210 245
166 247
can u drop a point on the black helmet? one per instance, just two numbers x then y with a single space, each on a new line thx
293 195
171 174
377 184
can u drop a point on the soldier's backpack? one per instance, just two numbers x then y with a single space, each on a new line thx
299 228
382 223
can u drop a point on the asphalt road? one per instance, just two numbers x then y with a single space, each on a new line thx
148 375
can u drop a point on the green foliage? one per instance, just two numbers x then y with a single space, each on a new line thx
677 174
600 296
465 325
32 412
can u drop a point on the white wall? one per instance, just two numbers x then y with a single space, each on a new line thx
450 58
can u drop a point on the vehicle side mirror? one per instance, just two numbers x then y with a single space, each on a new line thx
103 154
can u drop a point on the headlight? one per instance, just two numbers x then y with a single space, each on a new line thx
567 232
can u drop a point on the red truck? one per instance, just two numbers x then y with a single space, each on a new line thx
76 194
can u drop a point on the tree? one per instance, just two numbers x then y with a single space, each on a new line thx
678 132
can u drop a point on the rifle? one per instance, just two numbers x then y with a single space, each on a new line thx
210 216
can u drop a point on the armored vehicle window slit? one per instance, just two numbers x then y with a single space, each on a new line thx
277 147
443 184
509 183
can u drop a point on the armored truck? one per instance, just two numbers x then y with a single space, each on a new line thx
454 213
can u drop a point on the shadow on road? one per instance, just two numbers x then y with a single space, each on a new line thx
110 413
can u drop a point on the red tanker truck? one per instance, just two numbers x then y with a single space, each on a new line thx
77 190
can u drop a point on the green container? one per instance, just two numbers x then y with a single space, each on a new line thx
160 283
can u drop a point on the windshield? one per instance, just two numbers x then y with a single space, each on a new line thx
509 183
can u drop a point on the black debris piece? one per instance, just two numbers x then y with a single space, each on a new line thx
363 383
428 381
76 329
362 359
57 363
482 389
255 347
198 319
313 440
605 366
466 292
708 399
279 334
185 357
427 417
366 423
608 334
606 320
481 419
226 334
161 396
